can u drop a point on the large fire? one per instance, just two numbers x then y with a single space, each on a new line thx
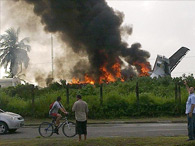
87 80
107 76
144 68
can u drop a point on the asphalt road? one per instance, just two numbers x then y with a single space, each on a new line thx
112 130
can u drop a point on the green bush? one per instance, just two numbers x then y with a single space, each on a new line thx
156 98
13 104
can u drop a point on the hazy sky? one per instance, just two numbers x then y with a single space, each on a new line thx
162 27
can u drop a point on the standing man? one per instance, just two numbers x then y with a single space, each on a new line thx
80 108
54 112
190 111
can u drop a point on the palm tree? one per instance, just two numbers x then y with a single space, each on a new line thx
13 53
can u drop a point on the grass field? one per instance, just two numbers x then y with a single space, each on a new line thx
117 141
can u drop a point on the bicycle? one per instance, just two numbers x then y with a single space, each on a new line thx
46 129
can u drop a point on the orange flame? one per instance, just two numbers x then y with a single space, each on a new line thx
88 80
145 68
106 76
109 77
117 68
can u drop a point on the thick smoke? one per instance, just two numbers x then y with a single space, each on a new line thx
90 26
39 78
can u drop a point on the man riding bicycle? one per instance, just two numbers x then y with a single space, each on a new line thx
53 112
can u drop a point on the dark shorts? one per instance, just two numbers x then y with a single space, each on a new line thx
53 116
81 127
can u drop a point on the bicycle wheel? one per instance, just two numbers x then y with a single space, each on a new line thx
69 129
46 129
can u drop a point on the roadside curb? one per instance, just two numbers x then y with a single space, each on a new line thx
116 122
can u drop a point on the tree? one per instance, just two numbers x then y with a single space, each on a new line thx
13 53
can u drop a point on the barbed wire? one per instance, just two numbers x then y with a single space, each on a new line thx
185 57
77 60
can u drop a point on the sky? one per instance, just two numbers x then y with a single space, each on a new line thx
162 27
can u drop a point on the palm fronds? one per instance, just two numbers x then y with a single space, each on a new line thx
13 53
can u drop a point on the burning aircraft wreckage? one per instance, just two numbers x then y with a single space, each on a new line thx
164 66
96 29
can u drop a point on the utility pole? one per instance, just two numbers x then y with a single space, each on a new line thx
0 31
67 94
52 56
137 92
0 15
101 94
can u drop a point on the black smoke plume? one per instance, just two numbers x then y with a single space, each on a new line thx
90 26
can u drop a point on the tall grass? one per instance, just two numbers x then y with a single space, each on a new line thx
157 98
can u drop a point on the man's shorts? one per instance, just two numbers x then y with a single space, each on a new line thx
54 114
81 127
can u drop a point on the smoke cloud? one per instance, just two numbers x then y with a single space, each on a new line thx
89 26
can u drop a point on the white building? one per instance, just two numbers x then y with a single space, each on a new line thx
9 82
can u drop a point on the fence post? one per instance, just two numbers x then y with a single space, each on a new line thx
137 92
179 92
33 97
67 93
176 91
101 95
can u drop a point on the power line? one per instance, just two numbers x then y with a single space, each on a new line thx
76 60
183 72
185 57
64 61
51 62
